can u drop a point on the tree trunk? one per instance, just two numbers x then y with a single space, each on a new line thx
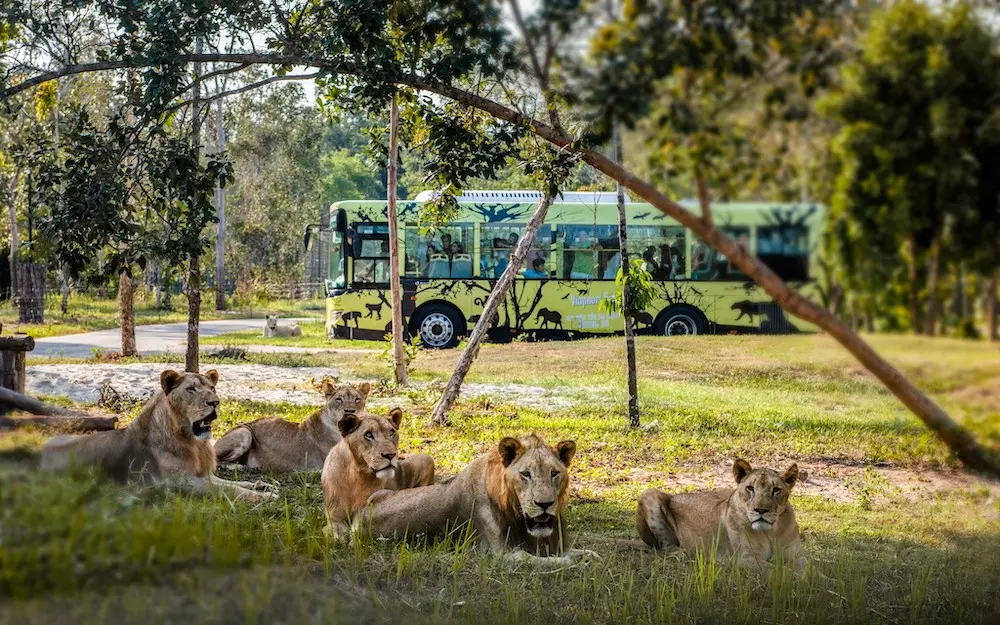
194 314
12 216
497 295
633 389
194 271
991 308
220 210
126 314
30 299
930 326
855 324
957 438
915 322
396 291
63 273
102 290
869 320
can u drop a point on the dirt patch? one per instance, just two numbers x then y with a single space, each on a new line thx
253 382
838 481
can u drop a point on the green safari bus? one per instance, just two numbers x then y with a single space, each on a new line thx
447 276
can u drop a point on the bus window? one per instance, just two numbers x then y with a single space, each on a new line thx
371 257
337 271
445 253
662 249
589 252
708 264
785 250
497 243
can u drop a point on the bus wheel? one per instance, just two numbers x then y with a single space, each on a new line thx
681 320
439 326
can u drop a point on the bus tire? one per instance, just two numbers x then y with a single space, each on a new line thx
680 320
439 326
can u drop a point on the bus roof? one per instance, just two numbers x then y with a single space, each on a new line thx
498 212
566 197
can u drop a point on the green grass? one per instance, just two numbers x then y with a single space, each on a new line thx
313 336
86 313
74 549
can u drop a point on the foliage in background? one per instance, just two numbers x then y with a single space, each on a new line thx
642 292
917 152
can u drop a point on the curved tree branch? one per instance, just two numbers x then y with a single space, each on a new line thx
957 438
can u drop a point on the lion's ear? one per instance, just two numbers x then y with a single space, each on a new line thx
791 475
169 380
509 449
364 388
213 375
396 416
347 424
741 468
566 450
327 387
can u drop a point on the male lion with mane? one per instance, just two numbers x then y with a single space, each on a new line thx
754 521
169 439
274 444
514 495
365 461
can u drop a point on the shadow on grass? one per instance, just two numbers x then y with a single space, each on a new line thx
73 549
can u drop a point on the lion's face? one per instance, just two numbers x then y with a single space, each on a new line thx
763 492
193 397
373 441
539 477
344 399
272 322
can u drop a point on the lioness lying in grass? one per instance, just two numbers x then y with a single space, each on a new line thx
274 444
754 521
170 439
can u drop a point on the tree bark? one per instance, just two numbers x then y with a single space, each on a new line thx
191 354
48 415
934 272
633 385
194 314
991 308
396 291
126 314
497 295
220 210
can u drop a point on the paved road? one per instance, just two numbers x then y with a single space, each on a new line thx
159 338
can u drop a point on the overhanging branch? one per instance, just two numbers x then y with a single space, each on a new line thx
957 438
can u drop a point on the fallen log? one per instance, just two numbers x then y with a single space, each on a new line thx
47 415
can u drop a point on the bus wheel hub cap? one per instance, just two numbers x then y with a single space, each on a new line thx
437 329
681 325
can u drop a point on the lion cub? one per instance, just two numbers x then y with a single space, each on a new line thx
271 328
754 521
274 444
367 460
169 439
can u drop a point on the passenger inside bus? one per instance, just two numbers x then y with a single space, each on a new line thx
580 257
537 271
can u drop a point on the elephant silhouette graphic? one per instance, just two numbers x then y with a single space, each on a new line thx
549 317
